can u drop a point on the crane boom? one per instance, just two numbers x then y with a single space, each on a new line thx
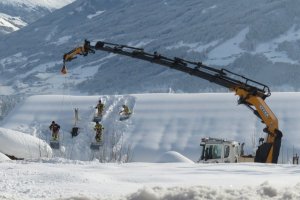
251 93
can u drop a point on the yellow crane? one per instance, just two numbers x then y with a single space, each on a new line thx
251 93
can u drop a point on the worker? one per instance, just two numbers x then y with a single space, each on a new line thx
54 127
98 128
100 108
125 110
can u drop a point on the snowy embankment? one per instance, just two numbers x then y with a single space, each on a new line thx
3 157
65 179
23 146
160 122
164 128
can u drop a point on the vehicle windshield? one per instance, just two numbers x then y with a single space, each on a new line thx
212 151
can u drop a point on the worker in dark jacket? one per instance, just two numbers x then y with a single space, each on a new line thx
54 127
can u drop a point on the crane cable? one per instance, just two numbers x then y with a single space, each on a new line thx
67 92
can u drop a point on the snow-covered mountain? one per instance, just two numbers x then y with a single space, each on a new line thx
15 14
9 24
259 39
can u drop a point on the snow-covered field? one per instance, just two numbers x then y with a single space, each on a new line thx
63 179
163 135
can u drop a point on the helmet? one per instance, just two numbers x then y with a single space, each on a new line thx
97 122
53 122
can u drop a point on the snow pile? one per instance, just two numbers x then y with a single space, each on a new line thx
3 157
173 156
65 179
169 125
20 145
160 123
263 191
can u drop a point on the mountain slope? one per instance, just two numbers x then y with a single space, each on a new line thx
27 4
15 14
257 39
9 24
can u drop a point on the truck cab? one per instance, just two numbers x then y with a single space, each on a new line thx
219 151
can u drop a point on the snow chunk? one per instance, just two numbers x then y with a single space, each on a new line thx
267 190
145 193
20 145
207 192
173 156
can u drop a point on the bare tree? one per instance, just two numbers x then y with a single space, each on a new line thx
115 150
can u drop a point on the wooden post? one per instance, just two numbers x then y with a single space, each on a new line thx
296 159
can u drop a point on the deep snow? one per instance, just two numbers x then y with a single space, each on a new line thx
20 145
65 179
164 133
160 123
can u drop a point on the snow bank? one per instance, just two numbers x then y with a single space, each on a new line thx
3 157
20 145
173 156
147 181
160 123
263 191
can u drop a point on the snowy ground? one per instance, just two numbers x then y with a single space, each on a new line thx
163 135
64 179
